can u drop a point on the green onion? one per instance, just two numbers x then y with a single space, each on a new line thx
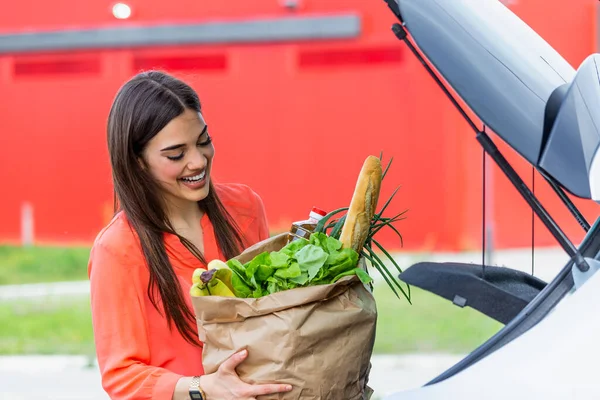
378 223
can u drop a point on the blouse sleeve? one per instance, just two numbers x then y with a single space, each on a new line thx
261 221
120 328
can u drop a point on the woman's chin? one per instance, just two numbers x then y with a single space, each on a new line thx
196 194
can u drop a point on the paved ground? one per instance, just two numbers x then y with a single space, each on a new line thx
71 378
63 289
547 262
49 377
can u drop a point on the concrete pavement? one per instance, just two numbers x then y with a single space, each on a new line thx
72 377
34 290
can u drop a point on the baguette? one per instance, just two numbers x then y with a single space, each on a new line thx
363 205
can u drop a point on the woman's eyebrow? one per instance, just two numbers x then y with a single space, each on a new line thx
178 146
174 147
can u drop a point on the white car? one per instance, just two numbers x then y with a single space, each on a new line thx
547 111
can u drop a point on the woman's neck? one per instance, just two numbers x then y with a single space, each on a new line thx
184 215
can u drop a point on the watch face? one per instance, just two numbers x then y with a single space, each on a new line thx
195 395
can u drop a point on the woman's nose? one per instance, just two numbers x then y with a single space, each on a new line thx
197 160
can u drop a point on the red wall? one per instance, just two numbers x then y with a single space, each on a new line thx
294 121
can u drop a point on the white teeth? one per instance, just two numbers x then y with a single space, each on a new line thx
195 178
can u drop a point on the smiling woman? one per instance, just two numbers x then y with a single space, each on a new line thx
179 159
170 219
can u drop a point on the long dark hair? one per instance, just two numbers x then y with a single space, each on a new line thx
144 106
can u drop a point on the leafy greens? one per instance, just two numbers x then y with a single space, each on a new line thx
318 261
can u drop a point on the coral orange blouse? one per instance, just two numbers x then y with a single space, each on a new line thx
139 356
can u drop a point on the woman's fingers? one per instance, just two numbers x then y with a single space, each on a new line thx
257 390
232 362
245 390
250 392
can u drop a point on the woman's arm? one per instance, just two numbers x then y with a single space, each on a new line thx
226 385
121 335
182 389
120 325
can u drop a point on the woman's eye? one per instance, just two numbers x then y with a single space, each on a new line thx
175 158
205 142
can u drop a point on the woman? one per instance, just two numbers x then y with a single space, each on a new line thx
171 220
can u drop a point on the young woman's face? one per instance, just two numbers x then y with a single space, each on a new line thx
180 156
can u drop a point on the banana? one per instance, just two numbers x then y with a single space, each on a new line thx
216 287
217 264
223 273
218 280
196 275
215 282
199 289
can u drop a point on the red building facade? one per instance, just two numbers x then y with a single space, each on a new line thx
296 98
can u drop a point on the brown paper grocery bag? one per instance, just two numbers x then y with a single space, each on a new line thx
319 339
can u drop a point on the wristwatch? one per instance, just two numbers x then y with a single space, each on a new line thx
196 392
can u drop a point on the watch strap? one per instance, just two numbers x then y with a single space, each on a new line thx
196 392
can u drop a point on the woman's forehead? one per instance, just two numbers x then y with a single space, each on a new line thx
183 128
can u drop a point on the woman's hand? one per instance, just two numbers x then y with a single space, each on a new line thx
226 385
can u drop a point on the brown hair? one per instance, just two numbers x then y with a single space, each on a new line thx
144 106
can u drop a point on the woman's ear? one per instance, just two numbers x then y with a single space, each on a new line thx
142 163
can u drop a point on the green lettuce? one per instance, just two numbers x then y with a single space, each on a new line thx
320 260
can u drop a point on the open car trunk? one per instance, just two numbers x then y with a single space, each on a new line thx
548 112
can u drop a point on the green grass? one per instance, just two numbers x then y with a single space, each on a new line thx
42 264
51 326
431 324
